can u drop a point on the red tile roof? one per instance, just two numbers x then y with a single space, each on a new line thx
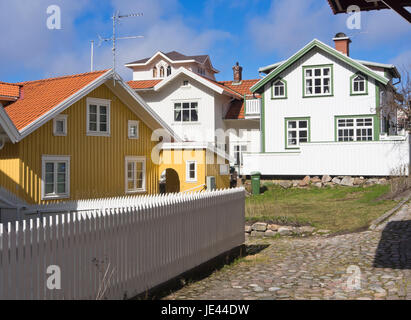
143 84
41 96
242 88
9 90
236 110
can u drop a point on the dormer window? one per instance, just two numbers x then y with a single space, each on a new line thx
162 72
358 84
168 71
155 72
279 89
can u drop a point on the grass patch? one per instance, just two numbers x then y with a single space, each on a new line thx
339 209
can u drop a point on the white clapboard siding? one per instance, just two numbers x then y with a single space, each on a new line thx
146 241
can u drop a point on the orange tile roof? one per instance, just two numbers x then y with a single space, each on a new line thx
9 90
236 110
143 84
41 96
243 88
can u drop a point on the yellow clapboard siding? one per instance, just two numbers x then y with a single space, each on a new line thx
97 164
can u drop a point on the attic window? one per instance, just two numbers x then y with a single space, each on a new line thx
358 84
186 83
155 72
168 71
60 125
162 72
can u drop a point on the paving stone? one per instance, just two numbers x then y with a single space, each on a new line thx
315 268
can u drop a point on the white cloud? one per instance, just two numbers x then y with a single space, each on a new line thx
31 46
289 25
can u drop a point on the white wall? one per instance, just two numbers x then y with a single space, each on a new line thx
321 109
163 103
244 132
374 158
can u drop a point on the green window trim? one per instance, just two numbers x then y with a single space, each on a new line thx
376 126
352 93
285 89
308 119
331 94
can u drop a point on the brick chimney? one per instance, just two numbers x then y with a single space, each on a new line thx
238 73
342 43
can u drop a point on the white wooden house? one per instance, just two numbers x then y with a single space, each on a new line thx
323 113
184 92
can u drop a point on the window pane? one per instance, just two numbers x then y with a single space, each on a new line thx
292 124
50 167
317 72
49 188
177 115
103 110
93 109
303 124
59 126
103 127
61 188
308 73
186 115
93 126
326 71
194 115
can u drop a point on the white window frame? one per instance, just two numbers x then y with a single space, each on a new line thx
240 151
297 130
276 85
99 103
313 77
135 159
364 80
132 123
55 159
188 163
355 127
61 117
190 102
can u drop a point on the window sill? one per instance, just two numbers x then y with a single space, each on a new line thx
133 138
191 181
96 134
185 123
136 191
319 96
359 94
55 197
278 98
60 134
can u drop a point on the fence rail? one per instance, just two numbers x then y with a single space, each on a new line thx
140 241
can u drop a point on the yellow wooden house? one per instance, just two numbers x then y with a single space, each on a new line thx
91 136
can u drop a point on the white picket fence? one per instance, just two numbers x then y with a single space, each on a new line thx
141 241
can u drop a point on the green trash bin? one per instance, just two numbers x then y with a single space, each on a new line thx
255 182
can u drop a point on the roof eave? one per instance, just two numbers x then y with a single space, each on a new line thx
305 50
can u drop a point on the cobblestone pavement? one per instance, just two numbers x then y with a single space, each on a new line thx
375 264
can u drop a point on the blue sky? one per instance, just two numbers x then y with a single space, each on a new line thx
253 32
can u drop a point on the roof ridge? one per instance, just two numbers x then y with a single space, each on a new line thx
62 77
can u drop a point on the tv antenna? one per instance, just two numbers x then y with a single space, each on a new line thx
116 20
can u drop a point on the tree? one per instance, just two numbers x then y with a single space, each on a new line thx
396 103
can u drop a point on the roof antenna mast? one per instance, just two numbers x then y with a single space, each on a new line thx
116 20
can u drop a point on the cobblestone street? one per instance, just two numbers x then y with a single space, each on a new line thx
318 268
